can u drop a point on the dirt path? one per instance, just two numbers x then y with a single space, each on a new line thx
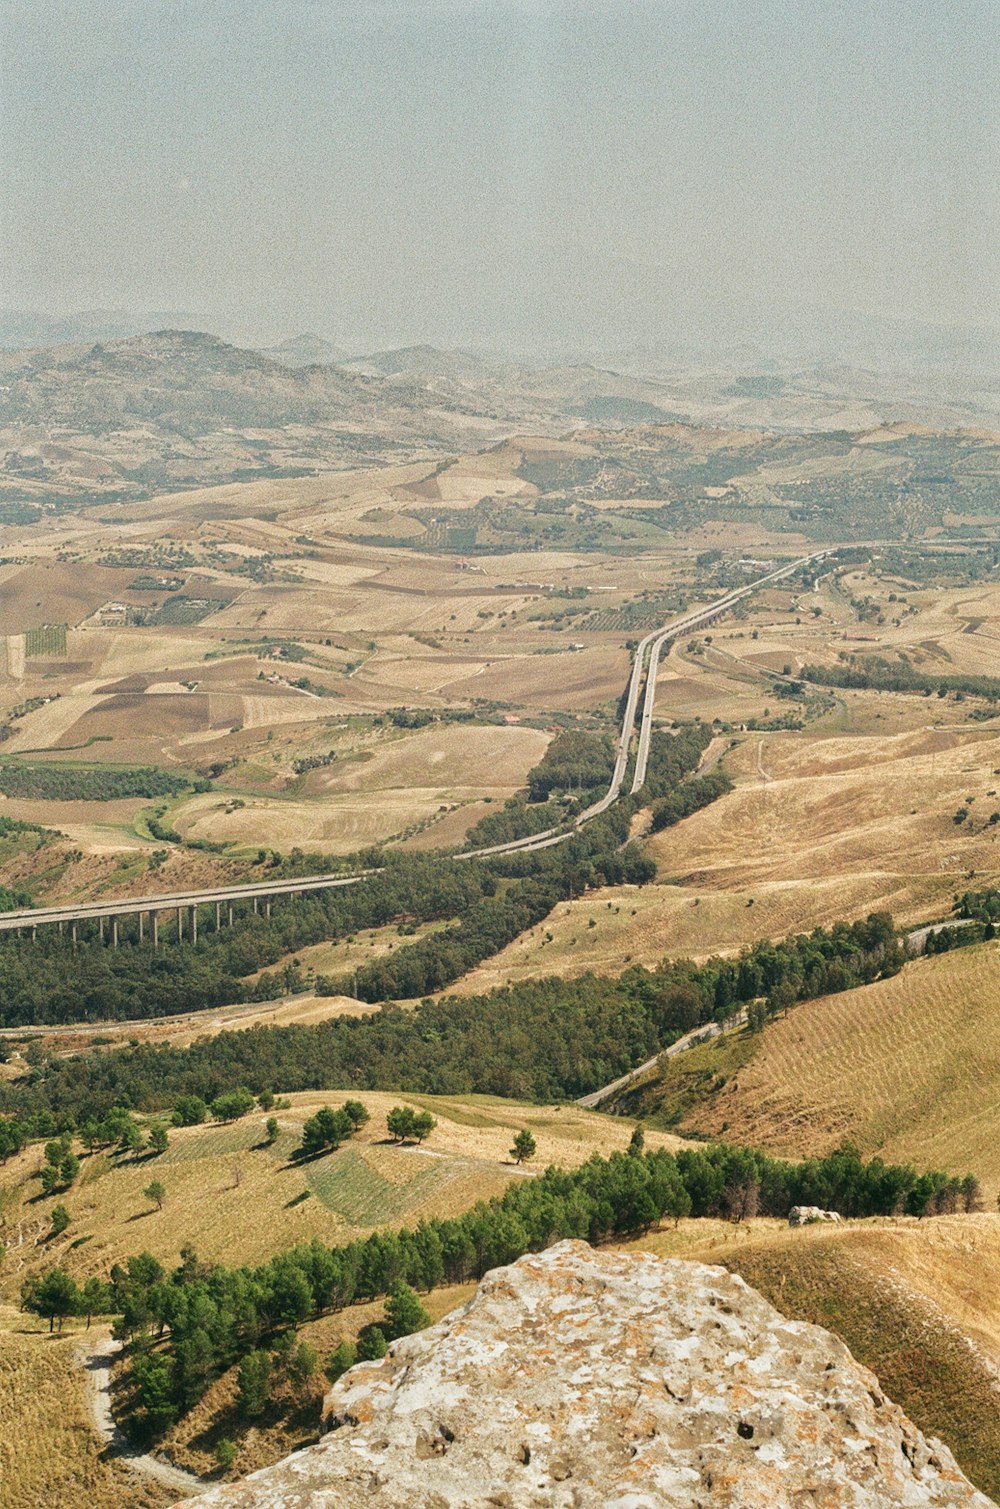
97 1360
760 763
690 1040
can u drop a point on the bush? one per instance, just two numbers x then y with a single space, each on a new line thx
253 1384
232 1105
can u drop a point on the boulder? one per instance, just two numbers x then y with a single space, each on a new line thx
804 1215
583 1379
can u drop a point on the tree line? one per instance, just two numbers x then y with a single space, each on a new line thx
64 783
186 1327
876 673
542 1040
48 981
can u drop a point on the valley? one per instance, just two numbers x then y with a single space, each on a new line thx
414 670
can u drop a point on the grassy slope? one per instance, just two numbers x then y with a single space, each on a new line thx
908 1068
48 1453
234 1199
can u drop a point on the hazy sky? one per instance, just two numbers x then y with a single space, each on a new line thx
501 172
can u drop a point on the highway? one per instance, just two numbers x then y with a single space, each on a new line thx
651 645
691 621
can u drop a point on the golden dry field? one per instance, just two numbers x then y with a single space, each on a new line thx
49 1451
228 1193
907 1068
818 827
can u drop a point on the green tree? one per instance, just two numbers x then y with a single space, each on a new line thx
50 1178
326 1130
357 1112
154 1386
95 1299
404 1313
159 1138
637 1142
371 1344
272 1130
399 1122
343 1356
157 1192
60 1219
189 1111
233 1104
253 1384
53 1296
405 1124
301 1366
131 1139
524 1147
69 1168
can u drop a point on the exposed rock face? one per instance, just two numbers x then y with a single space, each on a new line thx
803 1215
585 1379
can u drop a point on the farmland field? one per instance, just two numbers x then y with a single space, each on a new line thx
228 1192
907 1068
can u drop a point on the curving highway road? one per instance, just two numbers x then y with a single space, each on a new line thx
651 645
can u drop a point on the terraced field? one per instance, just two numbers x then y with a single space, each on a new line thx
908 1068
228 1192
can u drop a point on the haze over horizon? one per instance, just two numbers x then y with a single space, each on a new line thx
528 177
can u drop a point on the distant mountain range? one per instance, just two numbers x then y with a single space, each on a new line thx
128 417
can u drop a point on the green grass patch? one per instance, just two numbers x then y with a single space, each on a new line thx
681 1084
50 639
217 1141
347 1183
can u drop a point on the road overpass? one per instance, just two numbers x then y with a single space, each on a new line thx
188 905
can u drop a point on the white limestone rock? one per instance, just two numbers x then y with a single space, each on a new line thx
582 1379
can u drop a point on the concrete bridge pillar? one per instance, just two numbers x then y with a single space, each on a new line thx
72 932
155 917
194 923
218 915
141 920
114 932
180 924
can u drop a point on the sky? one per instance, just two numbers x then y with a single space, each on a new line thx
512 174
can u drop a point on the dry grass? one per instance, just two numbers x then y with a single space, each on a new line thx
49 1454
818 828
227 1194
908 1068
402 782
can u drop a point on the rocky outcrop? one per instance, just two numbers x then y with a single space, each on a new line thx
586 1379
805 1215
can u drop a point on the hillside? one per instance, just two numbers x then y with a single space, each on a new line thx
229 1193
908 1068
182 408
